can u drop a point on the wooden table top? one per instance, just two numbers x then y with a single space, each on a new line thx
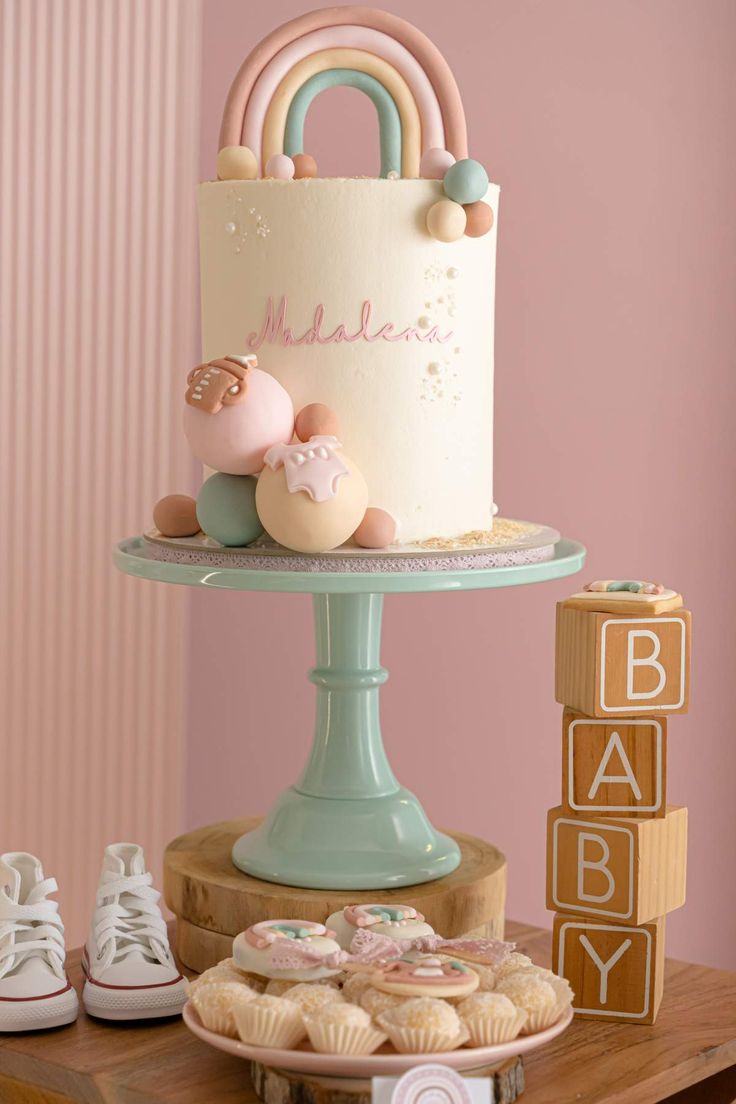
591 1063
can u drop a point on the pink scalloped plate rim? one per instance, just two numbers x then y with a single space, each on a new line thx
374 1065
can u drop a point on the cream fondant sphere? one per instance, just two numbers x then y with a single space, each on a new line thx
236 163
446 220
295 520
235 439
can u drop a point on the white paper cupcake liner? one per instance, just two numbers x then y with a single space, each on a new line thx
268 1028
421 1040
492 1030
344 1038
541 1018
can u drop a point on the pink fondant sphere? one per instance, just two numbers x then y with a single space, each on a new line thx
176 516
479 219
295 520
280 167
235 439
446 220
316 420
376 530
304 166
435 163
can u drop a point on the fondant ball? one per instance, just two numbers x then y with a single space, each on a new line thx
236 438
446 220
226 509
435 163
298 522
176 516
479 219
316 420
376 530
236 163
304 166
466 181
280 167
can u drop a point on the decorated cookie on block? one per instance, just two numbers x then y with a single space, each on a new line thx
234 413
393 921
290 950
625 596
427 976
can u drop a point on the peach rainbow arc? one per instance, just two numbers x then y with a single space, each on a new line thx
274 330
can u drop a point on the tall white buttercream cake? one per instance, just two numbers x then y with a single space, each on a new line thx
372 296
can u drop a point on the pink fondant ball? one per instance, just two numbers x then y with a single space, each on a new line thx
376 530
296 521
316 420
235 439
479 218
280 167
435 163
176 516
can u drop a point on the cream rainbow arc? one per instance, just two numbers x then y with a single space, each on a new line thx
402 71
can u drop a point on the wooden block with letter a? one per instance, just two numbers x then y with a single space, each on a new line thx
614 767
613 666
629 870
616 971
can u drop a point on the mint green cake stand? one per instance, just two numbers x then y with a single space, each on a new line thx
346 823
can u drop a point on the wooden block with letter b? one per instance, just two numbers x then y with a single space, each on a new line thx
628 870
616 971
614 767
621 666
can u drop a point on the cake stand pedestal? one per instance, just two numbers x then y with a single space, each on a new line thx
347 823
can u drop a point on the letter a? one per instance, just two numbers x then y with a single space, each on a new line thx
645 661
614 744
604 967
588 864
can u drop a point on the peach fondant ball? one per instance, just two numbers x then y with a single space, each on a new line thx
295 520
376 530
304 166
479 219
446 220
235 439
316 420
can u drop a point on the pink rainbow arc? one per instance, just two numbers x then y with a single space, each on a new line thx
423 57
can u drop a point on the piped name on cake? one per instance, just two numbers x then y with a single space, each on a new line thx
275 330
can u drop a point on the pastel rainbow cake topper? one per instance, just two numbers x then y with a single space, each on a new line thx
417 100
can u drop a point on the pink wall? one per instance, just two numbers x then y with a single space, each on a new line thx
610 129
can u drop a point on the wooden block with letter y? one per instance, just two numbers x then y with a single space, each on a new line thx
616 971
614 767
613 666
628 870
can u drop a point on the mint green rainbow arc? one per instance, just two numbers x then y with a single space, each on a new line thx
389 122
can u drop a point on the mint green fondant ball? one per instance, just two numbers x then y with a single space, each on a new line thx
466 181
226 509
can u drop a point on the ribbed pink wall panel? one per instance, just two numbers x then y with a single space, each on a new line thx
97 299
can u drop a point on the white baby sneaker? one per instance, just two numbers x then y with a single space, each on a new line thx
131 973
34 990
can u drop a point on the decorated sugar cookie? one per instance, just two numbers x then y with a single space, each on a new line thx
295 950
395 921
428 976
625 596
234 413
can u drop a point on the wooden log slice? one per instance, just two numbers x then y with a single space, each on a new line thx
205 889
279 1087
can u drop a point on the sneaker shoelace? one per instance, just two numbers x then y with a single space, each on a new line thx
132 922
32 929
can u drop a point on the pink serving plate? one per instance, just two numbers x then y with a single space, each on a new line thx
380 1064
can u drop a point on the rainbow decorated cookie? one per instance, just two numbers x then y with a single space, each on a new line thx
625 596
427 976
291 950
397 922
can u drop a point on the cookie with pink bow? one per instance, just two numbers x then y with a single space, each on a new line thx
292 950
427 976
396 922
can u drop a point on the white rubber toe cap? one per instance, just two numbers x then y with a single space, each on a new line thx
38 1013
123 1002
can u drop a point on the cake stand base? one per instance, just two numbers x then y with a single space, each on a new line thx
213 901
275 1086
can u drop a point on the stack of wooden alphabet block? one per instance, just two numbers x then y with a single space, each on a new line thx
616 851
